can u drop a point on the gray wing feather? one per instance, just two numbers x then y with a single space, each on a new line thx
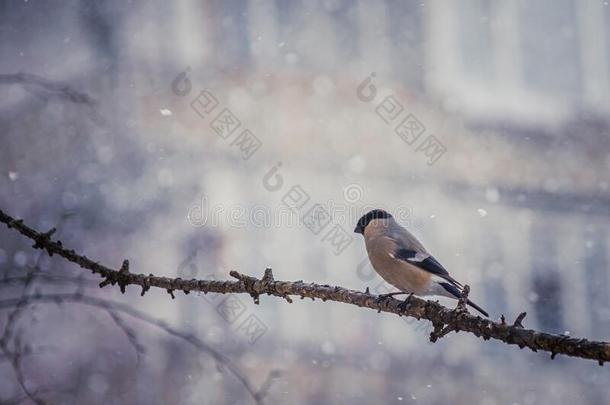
410 250
425 262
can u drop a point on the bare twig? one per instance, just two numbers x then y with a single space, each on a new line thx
45 88
417 308
116 307
14 356
15 361
128 331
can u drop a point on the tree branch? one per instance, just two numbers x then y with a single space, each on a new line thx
443 319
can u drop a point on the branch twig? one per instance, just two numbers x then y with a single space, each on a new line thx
440 316
117 307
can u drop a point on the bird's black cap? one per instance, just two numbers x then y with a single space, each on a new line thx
368 217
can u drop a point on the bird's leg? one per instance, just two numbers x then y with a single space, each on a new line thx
403 305
463 300
382 297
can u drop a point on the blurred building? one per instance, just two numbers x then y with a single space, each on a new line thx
519 98
517 204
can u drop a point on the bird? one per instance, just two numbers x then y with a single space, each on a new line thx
401 260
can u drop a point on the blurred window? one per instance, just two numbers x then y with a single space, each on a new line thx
232 36
546 279
475 47
596 276
493 274
539 62
405 27
550 51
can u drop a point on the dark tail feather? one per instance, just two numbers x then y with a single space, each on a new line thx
478 308
457 294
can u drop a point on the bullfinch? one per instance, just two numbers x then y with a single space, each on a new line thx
401 260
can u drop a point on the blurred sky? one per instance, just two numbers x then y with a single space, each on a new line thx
212 131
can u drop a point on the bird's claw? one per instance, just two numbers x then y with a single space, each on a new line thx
383 297
403 305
